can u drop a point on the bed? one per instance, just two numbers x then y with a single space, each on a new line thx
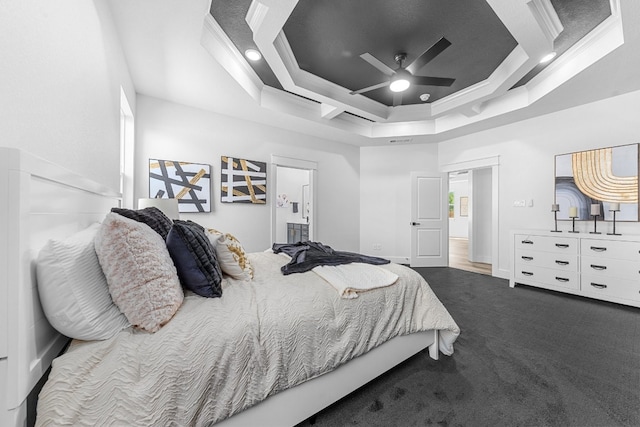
273 377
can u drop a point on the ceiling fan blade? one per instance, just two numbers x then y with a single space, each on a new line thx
367 89
397 99
432 81
377 63
428 55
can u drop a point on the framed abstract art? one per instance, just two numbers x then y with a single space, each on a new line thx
602 176
188 182
243 181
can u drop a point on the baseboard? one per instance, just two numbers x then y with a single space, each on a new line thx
482 259
503 274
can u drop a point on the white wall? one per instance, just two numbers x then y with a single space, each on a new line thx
480 214
385 196
526 153
527 149
170 131
62 67
459 225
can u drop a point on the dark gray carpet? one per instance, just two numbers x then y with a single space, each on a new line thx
526 357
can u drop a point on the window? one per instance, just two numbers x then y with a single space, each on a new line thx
126 151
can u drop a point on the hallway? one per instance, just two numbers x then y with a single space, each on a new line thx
459 257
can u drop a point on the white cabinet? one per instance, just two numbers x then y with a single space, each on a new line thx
595 266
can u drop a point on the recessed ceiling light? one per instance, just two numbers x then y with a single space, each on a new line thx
252 55
548 57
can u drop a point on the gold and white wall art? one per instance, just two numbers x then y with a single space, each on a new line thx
605 176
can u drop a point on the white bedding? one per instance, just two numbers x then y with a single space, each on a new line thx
219 356
351 279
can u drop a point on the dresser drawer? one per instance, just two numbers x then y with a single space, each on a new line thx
599 286
564 245
558 261
611 249
613 267
548 276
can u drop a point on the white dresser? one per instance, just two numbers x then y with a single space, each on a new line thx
592 265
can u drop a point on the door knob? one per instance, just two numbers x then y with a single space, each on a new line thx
415 223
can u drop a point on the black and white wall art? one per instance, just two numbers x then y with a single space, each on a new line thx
243 181
188 182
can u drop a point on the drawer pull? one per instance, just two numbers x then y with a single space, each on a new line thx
527 273
527 242
562 245
562 279
562 262
598 267
527 258
598 248
598 285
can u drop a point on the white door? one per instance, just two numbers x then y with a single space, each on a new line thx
429 219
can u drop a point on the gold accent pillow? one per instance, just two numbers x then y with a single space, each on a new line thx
231 255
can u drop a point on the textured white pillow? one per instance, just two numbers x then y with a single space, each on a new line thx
231 255
73 289
142 279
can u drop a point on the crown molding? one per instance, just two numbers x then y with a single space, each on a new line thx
324 102
547 18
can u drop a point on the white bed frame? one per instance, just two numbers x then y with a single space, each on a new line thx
42 201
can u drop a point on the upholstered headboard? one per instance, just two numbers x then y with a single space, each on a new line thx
38 201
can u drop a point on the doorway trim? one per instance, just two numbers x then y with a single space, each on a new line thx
289 162
494 164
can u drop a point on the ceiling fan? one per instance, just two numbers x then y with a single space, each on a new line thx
403 77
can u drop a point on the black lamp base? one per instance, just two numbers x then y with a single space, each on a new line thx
573 225
614 225
555 219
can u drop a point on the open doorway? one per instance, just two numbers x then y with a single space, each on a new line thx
292 191
470 220
293 210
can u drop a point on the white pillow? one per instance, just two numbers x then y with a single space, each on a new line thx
73 289
231 255
142 279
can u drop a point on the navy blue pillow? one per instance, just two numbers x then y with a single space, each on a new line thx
152 216
195 259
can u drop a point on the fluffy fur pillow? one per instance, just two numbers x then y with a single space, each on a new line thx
141 276
231 255
152 216
195 259
73 289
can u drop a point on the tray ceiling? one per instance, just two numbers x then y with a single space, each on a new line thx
312 48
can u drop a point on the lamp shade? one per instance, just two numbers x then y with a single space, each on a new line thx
168 206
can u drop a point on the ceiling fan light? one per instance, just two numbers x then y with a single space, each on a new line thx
399 85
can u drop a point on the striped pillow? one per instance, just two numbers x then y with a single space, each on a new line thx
151 216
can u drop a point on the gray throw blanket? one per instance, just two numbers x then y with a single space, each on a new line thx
307 255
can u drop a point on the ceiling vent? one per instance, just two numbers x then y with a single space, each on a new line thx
400 141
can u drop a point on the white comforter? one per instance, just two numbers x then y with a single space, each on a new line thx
219 356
